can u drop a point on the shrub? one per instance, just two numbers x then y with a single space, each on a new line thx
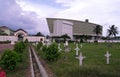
19 47
52 53
9 59
26 41
44 48
39 45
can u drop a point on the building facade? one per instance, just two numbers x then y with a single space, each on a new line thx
6 31
74 28
20 35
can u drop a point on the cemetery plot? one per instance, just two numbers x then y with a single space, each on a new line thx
92 63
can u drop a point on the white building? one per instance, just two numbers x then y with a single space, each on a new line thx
62 27
19 35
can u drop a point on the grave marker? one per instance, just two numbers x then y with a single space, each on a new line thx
77 49
107 55
81 45
66 43
59 47
81 59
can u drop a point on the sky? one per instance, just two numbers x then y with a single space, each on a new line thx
31 15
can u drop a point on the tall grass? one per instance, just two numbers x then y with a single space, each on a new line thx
94 65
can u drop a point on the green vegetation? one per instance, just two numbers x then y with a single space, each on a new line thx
16 62
19 47
9 60
39 45
52 54
94 65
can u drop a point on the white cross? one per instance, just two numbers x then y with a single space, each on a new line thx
59 47
77 49
66 43
81 58
107 55
81 45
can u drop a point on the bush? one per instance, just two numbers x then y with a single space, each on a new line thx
52 53
9 59
39 45
19 47
44 48
26 41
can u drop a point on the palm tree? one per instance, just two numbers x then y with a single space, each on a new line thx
98 31
112 31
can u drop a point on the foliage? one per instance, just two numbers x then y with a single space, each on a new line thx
39 34
98 30
22 68
112 31
44 48
39 45
26 41
9 59
19 47
52 53
65 36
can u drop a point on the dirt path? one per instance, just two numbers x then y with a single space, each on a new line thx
5 46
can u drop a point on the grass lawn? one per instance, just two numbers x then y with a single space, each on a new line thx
94 65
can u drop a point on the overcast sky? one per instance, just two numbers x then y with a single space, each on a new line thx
30 14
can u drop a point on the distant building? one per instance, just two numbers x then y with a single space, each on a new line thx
18 35
6 30
74 28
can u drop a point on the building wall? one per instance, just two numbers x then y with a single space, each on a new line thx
35 38
79 27
67 28
14 38
8 38
62 27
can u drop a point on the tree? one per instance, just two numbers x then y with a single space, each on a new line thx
39 34
98 31
112 31
65 36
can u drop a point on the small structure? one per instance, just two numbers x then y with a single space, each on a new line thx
21 34
77 49
12 42
107 55
66 43
81 59
59 47
81 45
18 35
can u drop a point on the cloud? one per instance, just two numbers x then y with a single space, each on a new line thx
13 16
101 12
31 15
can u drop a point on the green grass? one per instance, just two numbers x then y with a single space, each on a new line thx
22 67
94 65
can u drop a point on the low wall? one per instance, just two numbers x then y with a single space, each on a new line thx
35 38
30 38
8 38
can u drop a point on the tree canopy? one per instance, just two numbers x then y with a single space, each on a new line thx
112 31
